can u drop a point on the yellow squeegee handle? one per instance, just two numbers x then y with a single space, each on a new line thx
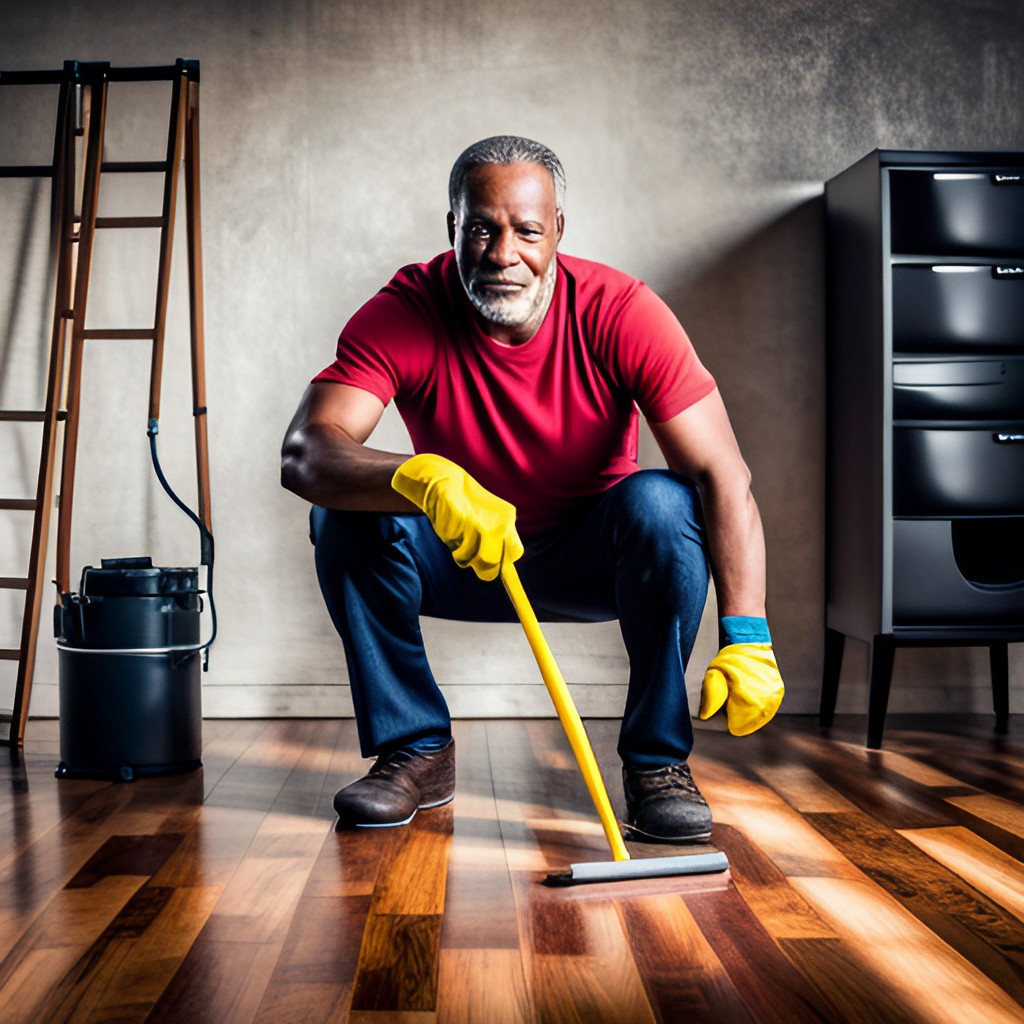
567 713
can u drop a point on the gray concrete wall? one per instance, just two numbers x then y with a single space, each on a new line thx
696 137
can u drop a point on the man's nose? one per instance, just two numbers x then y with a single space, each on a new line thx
503 250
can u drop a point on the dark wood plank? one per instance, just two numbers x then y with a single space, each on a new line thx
771 987
398 963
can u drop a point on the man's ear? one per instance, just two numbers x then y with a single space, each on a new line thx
560 221
451 228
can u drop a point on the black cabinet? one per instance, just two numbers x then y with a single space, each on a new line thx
925 475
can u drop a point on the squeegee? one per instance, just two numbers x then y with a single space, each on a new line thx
622 867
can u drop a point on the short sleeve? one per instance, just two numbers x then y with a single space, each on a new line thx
387 344
652 357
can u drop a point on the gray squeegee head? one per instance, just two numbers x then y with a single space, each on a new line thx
647 867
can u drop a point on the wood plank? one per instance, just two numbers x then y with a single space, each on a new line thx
482 985
414 868
683 978
126 855
1001 813
980 863
398 963
906 959
400 955
479 910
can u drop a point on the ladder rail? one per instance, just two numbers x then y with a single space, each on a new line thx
61 210
170 203
193 236
94 105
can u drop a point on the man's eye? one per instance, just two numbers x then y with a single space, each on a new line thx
477 231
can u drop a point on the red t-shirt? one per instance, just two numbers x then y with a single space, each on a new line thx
542 424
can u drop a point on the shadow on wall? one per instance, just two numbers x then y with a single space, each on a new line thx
756 315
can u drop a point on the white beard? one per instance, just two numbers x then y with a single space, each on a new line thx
516 310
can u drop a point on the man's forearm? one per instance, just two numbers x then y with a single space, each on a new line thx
328 468
736 550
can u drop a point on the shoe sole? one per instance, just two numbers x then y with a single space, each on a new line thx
397 824
632 832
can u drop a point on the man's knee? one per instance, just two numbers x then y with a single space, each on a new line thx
662 503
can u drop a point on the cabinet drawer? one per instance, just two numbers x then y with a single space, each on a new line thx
958 308
951 212
990 389
958 472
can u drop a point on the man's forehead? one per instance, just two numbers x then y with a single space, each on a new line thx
524 181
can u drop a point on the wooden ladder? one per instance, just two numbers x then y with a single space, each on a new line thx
77 170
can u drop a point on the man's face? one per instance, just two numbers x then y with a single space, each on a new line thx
505 231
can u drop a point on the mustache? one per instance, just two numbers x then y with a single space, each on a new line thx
481 278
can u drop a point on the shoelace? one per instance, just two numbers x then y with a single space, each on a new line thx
671 778
393 760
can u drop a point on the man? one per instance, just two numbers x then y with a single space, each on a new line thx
519 373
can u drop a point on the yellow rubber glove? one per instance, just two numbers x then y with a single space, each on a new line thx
746 679
478 527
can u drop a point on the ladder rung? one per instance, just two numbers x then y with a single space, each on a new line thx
13 583
22 416
10 654
129 222
134 166
121 334
28 77
18 504
27 171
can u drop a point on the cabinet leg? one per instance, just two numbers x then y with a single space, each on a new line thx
834 643
999 660
883 651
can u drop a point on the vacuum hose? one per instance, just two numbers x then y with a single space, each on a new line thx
205 539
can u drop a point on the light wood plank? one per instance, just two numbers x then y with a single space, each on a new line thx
907 959
1002 813
482 985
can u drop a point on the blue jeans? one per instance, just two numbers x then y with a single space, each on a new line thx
635 553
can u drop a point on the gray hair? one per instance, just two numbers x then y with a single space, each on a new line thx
505 149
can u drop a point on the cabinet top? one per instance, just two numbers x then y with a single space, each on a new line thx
881 159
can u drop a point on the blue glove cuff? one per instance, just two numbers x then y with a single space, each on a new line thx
743 629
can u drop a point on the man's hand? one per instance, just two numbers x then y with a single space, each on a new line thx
743 676
478 527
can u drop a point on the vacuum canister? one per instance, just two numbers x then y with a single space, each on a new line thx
130 664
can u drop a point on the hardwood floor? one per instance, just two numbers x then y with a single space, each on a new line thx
876 886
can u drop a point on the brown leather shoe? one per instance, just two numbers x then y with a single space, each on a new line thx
664 805
396 787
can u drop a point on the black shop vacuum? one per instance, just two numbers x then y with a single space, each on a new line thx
130 661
